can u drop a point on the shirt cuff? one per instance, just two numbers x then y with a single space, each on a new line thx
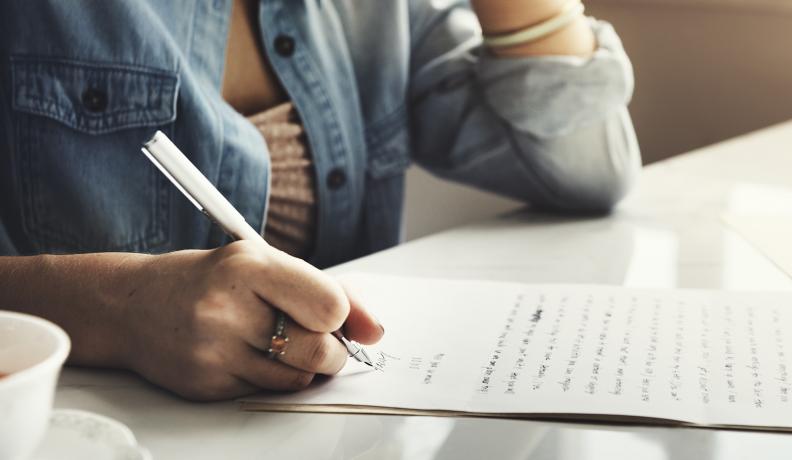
550 96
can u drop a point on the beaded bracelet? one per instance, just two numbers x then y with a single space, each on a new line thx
570 12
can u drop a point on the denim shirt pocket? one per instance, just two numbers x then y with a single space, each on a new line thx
388 145
79 125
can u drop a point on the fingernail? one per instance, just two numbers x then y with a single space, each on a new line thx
379 323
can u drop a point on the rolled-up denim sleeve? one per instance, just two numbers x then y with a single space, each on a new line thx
553 131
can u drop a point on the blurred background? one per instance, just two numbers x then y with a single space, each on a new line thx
705 71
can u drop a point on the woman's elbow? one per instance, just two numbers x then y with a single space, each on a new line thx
592 170
604 196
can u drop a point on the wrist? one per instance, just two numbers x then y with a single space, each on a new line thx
121 295
504 16
148 294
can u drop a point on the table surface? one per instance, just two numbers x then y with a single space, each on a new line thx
668 233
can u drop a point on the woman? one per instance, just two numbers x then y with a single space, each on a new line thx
304 114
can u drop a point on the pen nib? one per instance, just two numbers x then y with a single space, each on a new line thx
366 358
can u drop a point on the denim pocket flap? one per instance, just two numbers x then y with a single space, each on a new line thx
388 144
94 98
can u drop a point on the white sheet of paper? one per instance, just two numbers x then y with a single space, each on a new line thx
589 352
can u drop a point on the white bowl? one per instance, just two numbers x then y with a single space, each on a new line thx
32 351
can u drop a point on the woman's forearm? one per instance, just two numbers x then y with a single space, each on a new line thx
84 294
504 16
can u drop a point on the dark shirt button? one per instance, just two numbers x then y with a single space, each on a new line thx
95 100
336 179
284 45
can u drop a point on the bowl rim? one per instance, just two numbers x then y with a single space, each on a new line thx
54 360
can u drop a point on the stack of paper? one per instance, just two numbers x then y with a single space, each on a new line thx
584 352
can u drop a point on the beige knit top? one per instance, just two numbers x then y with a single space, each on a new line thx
291 217
250 85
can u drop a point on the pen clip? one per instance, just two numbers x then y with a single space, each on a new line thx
174 181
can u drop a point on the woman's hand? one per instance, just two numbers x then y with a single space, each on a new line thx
196 322
200 322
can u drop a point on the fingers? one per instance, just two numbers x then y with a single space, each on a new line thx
360 325
314 352
268 374
309 296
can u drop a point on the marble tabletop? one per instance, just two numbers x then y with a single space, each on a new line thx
669 233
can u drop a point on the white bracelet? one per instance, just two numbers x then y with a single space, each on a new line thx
571 11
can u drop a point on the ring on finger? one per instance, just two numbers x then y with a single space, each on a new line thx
279 340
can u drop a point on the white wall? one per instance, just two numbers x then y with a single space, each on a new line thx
705 70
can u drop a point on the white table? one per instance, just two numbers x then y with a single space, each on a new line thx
667 234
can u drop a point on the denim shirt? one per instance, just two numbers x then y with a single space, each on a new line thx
378 84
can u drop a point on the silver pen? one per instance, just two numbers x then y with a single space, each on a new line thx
197 188
354 349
